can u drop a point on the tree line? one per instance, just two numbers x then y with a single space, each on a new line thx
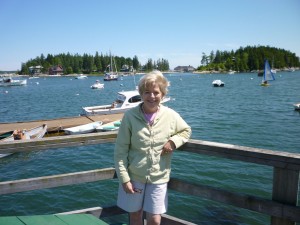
242 60
248 59
89 64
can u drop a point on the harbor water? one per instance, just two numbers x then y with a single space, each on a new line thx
241 113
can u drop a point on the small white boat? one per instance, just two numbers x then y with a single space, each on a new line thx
297 106
83 129
115 125
8 81
97 85
81 76
218 83
124 101
33 133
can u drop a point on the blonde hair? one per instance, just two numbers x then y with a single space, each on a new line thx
154 77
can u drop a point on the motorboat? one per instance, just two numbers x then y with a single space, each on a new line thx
33 133
124 101
218 83
115 125
297 106
83 129
8 81
97 85
81 76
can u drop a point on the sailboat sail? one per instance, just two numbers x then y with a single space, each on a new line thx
268 74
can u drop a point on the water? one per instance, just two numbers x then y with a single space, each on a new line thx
241 113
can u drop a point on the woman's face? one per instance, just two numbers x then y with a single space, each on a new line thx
151 98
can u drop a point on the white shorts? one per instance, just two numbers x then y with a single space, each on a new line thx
152 199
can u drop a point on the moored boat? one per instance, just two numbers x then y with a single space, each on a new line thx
81 76
33 133
97 85
109 126
111 73
297 106
218 83
124 101
83 129
8 81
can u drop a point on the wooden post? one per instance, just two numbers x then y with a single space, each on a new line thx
285 190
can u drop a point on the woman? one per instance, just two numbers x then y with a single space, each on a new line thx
148 135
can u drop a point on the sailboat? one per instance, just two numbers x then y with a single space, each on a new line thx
112 73
267 75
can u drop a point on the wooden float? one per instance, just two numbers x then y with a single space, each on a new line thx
56 125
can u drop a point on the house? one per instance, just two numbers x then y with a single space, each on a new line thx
184 69
56 70
126 69
35 70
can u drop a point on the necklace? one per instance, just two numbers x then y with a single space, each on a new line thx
149 116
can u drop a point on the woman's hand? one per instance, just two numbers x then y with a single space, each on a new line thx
169 147
128 188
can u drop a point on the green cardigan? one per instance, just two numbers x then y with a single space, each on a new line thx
139 146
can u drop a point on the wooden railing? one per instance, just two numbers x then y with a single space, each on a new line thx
282 207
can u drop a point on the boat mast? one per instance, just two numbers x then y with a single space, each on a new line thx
111 65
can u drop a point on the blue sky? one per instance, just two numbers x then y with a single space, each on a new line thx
176 30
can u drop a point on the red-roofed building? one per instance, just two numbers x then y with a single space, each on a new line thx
56 70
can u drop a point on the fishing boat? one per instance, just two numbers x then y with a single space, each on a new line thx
115 125
33 133
83 129
97 85
124 101
218 83
267 75
8 81
111 73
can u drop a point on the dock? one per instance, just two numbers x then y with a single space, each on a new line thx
282 207
52 219
56 125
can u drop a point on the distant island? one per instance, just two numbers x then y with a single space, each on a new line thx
248 59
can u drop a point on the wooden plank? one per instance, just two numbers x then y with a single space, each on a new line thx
250 202
170 220
95 211
10 220
279 159
58 142
235 152
41 219
285 190
9 187
80 219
